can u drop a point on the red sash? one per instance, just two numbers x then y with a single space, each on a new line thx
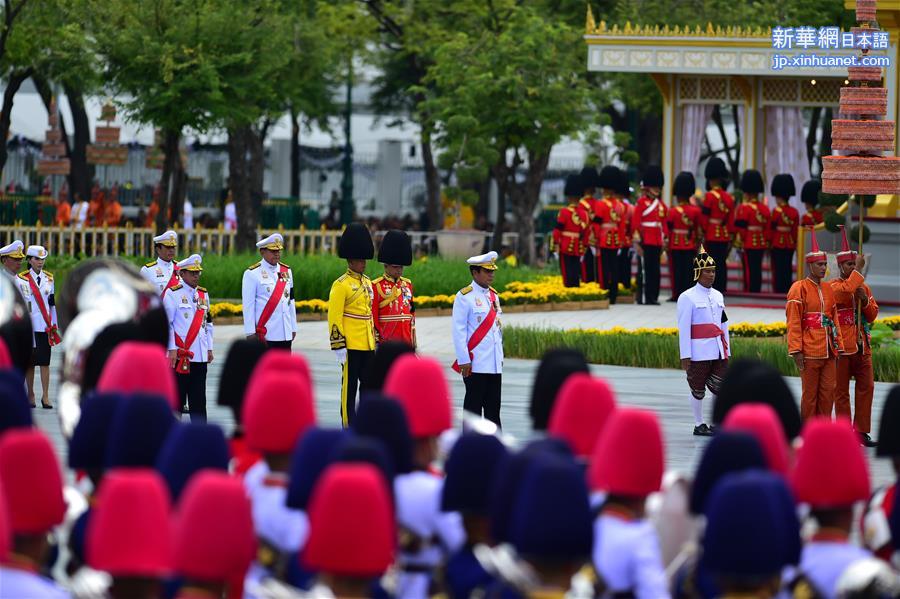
269 308
53 337
846 316
480 332
813 320
173 280
709 331
183 366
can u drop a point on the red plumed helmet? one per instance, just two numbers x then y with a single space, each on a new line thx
420 386
846 254
582 409
280 360
761 421
32 482
830 470
138 366
214 539
129 533
351 521
629 457
276 410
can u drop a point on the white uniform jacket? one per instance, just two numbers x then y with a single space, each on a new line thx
470 307
181 303
823 562
699 305
628 557
258 284
44 282
158 273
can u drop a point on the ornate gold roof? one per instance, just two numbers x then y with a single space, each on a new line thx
710 31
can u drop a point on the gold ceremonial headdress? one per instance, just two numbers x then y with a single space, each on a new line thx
702 260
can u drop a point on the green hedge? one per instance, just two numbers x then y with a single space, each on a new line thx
313 275
657 351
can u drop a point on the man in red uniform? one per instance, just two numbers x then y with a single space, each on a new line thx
813 332
784 221
752 220
717 208
393 311
568 235
590 179
683 223
809 195
606 230
649 216
856 358
626 211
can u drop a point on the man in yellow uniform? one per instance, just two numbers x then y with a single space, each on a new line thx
350 325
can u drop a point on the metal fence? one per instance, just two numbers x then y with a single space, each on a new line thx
138 241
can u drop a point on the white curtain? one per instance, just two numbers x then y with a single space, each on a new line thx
694 118
786 148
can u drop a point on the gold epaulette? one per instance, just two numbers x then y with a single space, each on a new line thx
466 290
342 277
284 265
494 290
377 279
23 275
49 275
254 266
176 287
203 289
150 264
405 279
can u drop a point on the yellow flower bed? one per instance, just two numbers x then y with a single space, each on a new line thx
542 291
225 309
741 329
893 322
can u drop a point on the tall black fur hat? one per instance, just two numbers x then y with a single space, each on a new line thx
810 192
396 248
610 178
685 185
653 177
589 177
715 169
356 243
574 187
752 182
783 186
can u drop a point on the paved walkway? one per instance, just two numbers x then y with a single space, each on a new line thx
664 391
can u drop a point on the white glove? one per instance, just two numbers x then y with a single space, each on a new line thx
341 356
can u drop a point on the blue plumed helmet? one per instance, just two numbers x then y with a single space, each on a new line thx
380 418
15 412
507 485
313 453
727 452
367 450
471 469
87 448
752 530
551 517
139 429
189 448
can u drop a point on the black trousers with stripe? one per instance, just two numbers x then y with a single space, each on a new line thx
354 368
192 391
483 395
782 269
651 273
570 268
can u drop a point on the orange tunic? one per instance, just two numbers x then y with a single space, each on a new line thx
63 214
393 311
846 316
112 213
811 312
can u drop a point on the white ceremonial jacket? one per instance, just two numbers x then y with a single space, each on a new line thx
158 273
46 287
628 557
181 303
699 305
258 284
823 562
470 308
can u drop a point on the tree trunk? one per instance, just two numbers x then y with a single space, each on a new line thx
80 173
432 184
295 154
257 166
13 83
524 201
179 186
169 175
239 178
500 172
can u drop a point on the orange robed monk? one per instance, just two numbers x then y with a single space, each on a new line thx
856 359
813 332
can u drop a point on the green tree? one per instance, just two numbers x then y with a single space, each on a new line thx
504 94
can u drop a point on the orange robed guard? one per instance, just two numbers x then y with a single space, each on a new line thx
813 331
